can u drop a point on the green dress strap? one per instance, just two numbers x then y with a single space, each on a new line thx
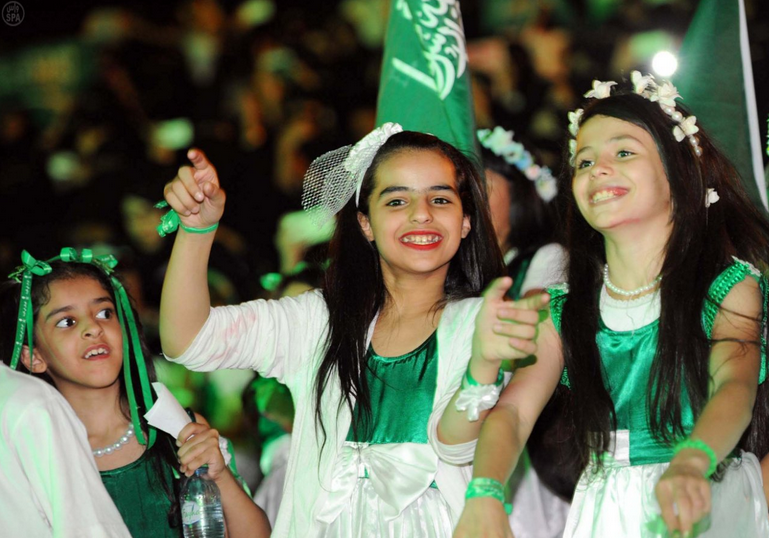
558 294
720 288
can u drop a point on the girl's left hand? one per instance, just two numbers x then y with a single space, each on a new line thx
200 446
683 492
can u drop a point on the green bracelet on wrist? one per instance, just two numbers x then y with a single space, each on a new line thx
170 222
469 381
699 444
488 487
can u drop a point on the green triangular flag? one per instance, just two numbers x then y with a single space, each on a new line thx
425 84
716 82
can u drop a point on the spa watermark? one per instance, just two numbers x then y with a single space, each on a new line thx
13 13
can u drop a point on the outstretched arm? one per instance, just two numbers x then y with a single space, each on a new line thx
504 330
505 432
196 196
734 366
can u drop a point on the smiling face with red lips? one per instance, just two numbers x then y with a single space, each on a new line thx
619 178
78 340
415 215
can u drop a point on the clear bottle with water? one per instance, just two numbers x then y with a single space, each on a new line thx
201 507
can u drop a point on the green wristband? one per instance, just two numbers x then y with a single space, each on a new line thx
699 444
488 487
469 381
170 222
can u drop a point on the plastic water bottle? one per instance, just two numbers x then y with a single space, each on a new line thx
201 507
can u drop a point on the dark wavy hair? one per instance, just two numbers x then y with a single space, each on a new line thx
354 289
701 245
163 452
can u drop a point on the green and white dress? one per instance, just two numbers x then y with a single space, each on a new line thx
384 482
620 500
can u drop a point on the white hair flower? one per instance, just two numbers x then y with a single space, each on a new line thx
666 94
711 197
686 127
642 82
574 119
601 90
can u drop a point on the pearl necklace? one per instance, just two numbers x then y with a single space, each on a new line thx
627 293
124 440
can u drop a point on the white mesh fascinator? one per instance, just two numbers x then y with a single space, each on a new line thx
332 178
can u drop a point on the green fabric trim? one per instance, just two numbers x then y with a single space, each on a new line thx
720 288
558 295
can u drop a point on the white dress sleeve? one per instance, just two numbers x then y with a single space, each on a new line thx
456 342
51 444
547 267
273 337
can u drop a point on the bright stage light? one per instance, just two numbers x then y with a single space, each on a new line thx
664 63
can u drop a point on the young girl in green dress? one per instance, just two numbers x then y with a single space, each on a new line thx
79 332
661 330
375 358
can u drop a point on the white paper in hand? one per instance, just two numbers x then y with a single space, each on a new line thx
167 414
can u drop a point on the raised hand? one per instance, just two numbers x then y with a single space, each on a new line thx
506 330
195 193
199 445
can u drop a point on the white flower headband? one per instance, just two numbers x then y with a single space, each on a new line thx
500 142
332 178
665 94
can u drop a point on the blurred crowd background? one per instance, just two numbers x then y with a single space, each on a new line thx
100 100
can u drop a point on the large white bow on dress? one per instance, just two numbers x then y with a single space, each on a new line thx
399 472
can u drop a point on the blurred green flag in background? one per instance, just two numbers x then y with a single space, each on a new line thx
425 84
715 79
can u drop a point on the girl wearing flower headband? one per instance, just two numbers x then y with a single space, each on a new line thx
661 330
79 332
521 195
375 359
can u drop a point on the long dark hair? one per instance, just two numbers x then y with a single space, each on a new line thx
163 452
532 220
355 291
701 245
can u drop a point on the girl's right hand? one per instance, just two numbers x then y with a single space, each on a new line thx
506 330
483 517
195 193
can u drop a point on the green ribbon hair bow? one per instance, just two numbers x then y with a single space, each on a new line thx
31 267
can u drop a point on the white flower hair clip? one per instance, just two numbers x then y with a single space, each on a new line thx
664 94
711 197
500 142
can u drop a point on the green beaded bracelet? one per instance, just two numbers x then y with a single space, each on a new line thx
487 487
699 444
469 381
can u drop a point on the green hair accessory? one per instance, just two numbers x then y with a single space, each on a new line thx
31 267
170 222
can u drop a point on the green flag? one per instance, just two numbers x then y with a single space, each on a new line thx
716 82
425 84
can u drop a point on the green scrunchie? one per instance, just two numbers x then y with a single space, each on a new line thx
170 222
699 444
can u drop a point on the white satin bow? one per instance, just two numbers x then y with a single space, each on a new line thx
399 472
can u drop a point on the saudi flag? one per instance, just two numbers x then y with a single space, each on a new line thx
716 82
425 84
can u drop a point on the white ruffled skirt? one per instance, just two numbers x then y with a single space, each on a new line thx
620 502
427 517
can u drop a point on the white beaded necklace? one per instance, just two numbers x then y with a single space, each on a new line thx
124 440
627 293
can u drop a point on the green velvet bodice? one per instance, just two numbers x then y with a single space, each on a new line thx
627 358
402 391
